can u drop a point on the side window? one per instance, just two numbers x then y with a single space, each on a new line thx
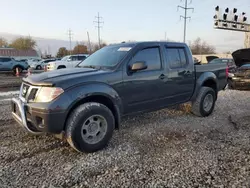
151 56
74 58
177 57
174 58
81 58
183 57
6 60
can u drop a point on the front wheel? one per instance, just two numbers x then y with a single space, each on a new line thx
20 69
90 127
204 103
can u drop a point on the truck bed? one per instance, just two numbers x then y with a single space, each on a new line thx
218 69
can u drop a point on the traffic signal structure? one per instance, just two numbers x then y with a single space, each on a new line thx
230 20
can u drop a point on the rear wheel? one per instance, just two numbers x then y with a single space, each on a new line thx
204 103
39 67
90 127
61 67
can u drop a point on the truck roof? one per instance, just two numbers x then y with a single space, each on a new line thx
148 42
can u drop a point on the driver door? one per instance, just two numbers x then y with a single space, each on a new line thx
143 88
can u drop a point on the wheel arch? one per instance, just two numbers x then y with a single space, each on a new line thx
207 79
108 98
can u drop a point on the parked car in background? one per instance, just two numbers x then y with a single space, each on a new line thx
239 78
229 61
40 64
31 61
10 64
69 61
88 102
22 60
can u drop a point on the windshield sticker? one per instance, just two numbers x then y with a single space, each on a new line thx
124 49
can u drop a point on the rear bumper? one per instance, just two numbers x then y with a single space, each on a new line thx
37 118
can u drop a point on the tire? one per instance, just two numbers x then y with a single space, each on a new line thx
199 106
19 68
39 67
79 126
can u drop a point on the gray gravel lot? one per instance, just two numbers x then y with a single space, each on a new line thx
168 148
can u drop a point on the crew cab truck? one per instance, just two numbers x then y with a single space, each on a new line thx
86 104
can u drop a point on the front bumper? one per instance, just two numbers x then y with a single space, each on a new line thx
37 118
19 114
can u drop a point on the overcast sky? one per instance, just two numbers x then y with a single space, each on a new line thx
123 20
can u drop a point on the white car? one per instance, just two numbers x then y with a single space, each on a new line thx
31 61
69 61
40 64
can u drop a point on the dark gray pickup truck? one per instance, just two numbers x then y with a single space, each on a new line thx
86 104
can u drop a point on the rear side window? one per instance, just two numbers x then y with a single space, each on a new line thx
74 58
176 57
151 56
183 57
5 59
81 57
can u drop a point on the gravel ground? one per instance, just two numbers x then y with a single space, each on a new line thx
168 148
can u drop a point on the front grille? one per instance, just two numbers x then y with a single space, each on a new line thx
28 92
32 94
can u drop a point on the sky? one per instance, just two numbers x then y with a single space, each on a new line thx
123 20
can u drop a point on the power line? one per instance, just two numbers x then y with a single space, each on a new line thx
98 27
185 17
90 50
70 39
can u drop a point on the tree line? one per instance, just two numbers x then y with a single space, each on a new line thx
198 46
21 43
80 48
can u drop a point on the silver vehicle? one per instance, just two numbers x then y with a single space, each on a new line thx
69 61
40 64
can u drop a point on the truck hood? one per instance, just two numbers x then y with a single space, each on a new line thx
241 57
46 78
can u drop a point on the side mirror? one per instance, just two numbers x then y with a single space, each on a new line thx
137 66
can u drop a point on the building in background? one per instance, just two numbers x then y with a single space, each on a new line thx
19 54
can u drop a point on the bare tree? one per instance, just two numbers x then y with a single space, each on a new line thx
201 47
3 42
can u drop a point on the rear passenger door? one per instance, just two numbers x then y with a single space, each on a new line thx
74 61
6 64
181 74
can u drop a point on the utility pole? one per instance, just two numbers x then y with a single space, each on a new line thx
98 27
70 39
185 17
90 50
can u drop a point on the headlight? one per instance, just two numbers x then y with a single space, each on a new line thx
230 75
47 94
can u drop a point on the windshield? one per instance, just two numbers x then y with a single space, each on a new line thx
106 57
246 66
65 58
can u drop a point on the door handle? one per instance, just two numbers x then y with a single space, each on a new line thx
162 76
